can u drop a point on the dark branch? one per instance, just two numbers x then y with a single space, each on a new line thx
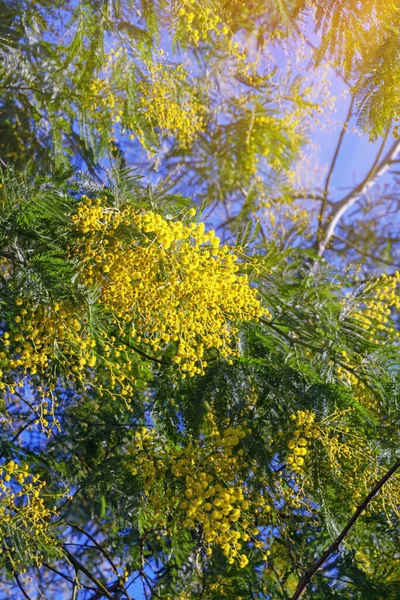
306 579
363 253
19 584
80 567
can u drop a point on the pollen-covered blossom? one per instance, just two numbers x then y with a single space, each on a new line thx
24 516
166 282
298 444
202 487
47 341
166 100
349 458
376 306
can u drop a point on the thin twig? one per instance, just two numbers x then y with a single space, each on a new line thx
104 552
306 579
22 429
279 581
75 587
363 253
80 567
145 355
21 587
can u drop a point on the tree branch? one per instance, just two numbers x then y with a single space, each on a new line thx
331 169
21 587
80 567
363 253
105 553
306 579
377 170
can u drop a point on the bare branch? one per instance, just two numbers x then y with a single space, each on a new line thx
332 167
363 253
340 208
104 552
306 579
80 567
21 587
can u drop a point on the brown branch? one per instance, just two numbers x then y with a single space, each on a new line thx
145 355
22 429
69 579
363 253
377 170
105 553
21 587
306 579
331 169
80 567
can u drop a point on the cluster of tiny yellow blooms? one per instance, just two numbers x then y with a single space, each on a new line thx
348 456
281 220
166 282
223 590
367 398
349 377
328 431
375 313
364 395
166 101
180 596
204 486
192 22
28 348
23 511
5 265
304 421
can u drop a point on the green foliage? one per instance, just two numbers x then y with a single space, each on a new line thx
274 445
362 39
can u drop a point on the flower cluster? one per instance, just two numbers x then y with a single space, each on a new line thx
32 342
194 22
55 340
166 282
204 486
23 516
348 456
197 21
304 422
166 101
374 313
